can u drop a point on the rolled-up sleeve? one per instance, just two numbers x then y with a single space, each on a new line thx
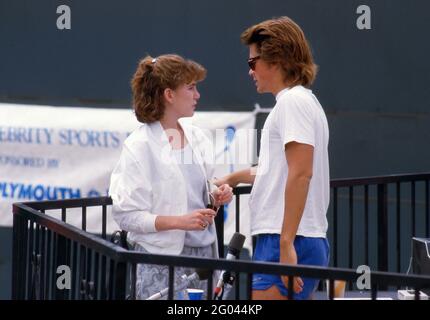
130 190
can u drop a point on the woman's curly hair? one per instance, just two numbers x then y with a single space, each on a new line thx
153 76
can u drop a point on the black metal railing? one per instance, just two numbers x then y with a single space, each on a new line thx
100 269
396 205
43 244
358 203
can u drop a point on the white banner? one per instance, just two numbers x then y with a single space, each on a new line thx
54 153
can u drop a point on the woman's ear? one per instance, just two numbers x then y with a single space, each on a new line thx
168 95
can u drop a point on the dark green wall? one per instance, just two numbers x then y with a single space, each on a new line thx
373 83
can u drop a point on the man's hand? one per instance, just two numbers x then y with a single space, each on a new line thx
223 195
288 255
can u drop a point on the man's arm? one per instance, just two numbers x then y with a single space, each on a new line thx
242 176
300 162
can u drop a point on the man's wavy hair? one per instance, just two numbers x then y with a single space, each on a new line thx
280 41
153 76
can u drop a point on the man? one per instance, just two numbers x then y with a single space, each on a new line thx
290 194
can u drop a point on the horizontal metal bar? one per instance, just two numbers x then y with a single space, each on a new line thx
69 203
242 190
347 182
382 278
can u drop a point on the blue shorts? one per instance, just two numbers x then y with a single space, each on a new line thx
310 251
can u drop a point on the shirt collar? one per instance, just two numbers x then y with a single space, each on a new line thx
281 93
158 132
160 136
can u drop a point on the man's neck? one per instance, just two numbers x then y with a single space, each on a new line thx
281 85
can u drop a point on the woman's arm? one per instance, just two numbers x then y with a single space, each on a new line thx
197 220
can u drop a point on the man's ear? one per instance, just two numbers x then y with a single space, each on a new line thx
168 95
275 66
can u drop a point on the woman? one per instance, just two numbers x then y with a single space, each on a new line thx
160 185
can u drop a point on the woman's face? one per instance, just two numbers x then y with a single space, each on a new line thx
184 100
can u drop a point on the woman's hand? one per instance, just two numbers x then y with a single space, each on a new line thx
198 219
223 195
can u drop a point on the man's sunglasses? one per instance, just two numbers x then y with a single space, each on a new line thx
252 62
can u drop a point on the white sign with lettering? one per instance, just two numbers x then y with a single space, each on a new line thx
54 153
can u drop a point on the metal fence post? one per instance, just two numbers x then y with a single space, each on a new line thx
120 279
219 225
382 228
15 257
18 260
61 255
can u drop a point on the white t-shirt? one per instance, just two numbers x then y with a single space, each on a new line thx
297 116
195 183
